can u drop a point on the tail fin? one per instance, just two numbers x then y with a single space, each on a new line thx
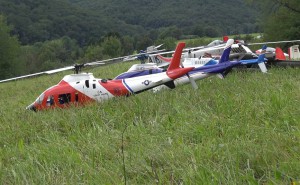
175 62
279 54
261 60
174 71
226 52
225 38
261 57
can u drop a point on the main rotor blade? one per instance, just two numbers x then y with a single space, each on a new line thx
275 42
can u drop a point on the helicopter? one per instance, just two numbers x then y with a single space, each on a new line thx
205 61
221 68
239 51
79 89
282 60
214 49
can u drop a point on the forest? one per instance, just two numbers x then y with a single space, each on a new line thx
41 35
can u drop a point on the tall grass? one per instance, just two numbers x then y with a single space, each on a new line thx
240 130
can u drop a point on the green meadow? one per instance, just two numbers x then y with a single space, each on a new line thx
244 129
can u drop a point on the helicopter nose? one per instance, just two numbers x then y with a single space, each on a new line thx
31 107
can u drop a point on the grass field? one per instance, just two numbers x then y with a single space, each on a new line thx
244 129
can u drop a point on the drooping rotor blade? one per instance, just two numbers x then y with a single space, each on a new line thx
77 67
53 71
275 42
94 63
156 47
59 70
20 77
172 51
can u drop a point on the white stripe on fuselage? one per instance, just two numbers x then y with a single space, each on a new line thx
99 93
141 83
184 80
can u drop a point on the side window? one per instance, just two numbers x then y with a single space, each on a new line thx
94 85
64 98
50 100
87 84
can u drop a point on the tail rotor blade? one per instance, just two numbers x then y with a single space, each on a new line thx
192 80
263 67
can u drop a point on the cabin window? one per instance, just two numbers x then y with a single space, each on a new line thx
94 86
64 98
87 84
50 100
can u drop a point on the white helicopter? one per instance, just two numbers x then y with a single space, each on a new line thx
239 50
200 71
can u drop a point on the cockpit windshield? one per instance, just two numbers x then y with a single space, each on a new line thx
40 99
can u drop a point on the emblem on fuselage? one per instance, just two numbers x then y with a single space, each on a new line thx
146 82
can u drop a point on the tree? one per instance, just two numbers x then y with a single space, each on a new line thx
92 53
9 50
169 43
280 18
128 44
143 42
112 47
172 31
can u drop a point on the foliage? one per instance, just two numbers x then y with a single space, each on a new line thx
90 20
240 130
112 47
9 49
92 53
169 43
49 55
281 19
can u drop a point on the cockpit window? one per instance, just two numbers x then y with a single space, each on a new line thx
50 100
40 99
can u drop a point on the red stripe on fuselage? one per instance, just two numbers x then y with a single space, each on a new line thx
115 87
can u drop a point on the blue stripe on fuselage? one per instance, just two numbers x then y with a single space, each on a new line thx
129 89
211 62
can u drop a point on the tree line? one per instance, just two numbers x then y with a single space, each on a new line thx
279 19
17 59
89 21
38 35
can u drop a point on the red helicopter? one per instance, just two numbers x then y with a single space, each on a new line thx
79 89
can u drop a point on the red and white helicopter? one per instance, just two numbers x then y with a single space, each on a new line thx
79 89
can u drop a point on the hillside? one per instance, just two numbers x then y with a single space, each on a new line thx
88 21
